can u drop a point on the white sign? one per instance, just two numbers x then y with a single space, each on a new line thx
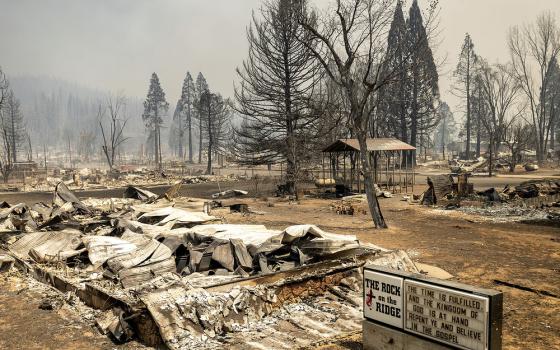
383 298
453 317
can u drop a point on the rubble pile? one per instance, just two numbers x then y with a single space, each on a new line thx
90 178
531 201
167 259
468 166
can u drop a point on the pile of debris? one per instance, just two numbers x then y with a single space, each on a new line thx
531 201
165 270
479 165
90 178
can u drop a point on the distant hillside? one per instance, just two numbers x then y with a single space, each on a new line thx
57 111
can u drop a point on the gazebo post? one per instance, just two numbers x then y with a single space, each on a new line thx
412 169
386 170
406 171
323 167
330 161
352 170
344 167
393 176
400 171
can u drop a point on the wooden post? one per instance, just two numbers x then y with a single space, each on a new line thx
352 168
406 172
386 170
413 175
331 175
323 166
393 176
344 167
400 171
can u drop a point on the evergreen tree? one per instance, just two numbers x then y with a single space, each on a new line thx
445 129
182 119
155 107
277 83
478 110
464 74
176 133
12 127
214 114
200 88
424 88
188 94
394 101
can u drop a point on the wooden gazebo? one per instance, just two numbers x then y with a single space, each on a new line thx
391 159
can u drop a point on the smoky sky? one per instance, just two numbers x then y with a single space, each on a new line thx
115 45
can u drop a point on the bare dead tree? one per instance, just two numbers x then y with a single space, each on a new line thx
519 137
350 43
87 144
6 165
4 88
533 49
500 90
552 98
29 147
15 124
214 113
112 134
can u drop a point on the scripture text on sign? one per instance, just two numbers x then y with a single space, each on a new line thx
450 316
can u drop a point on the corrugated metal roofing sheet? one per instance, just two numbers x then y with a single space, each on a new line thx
376 144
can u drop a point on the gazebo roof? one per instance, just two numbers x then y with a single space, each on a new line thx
373 145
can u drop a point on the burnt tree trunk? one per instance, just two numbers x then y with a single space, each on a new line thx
373 203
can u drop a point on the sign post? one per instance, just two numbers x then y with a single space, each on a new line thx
452 314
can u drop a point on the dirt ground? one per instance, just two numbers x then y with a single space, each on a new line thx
474 250
24 325
471 248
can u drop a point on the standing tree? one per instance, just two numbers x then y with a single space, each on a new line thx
464 74
350 44
552 100
176 133
182 119
517 138
500 90
445 128
15 131
112 135
214 113
277 85
6 160
188 94
87 144
394 101
478 109
200 88
12 129
533 49
4 86
424 87
155 108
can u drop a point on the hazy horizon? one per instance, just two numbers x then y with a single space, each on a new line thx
116 45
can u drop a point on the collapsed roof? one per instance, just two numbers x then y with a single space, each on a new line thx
143 254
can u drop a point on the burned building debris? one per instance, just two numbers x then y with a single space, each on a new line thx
168 271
